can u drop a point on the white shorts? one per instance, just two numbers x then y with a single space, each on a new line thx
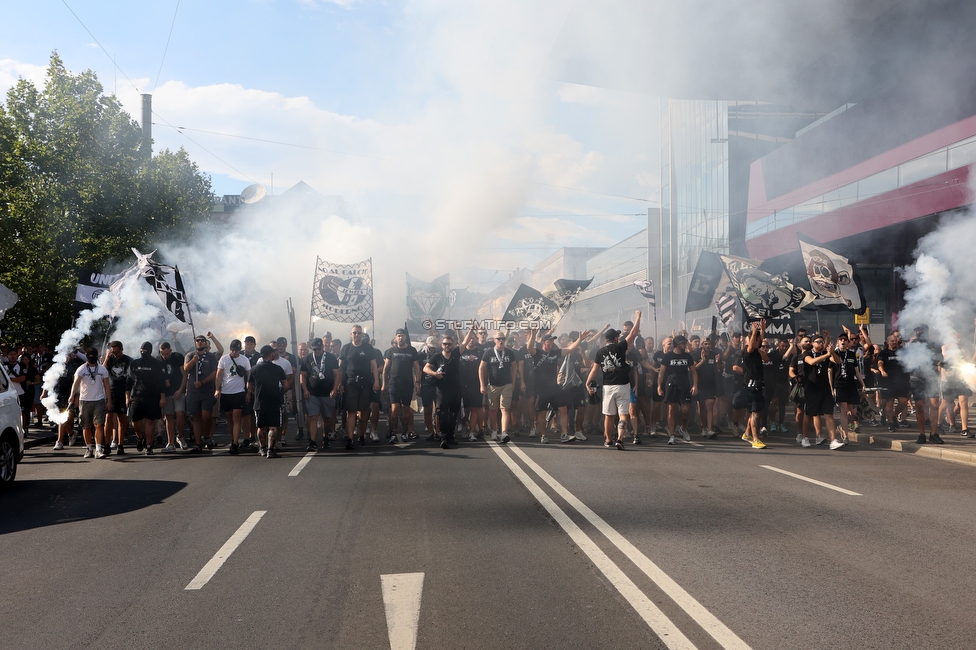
616 399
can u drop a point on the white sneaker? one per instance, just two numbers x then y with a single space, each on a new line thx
99 453
579 436
113 446
763 431
684 434
169 449
472 438
799 438
494 435
181 443
805 442
821 439
671 440
532 433
836 443
566 438
544 440
58 446
375 437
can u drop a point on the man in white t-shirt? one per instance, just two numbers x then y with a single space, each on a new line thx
230 385
91 388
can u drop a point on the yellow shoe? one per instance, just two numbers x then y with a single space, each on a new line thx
745 436
758 444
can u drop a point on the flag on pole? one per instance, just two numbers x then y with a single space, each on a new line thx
646 288
761 294
704 282
343 293
168 284
726 308
565 292
833 279
91 284
530 305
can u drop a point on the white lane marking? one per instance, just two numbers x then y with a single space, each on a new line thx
401 598
301 464
646 609
211 567
813 480
689 442
708 621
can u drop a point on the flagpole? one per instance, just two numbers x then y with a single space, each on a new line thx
311 306
189 314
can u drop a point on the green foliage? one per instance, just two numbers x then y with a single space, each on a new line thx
78 191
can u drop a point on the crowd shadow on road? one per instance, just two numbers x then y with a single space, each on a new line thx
31 504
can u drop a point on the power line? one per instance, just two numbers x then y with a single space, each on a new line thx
579 189
204 148
166 49
99 45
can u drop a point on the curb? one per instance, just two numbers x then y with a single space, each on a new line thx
938 452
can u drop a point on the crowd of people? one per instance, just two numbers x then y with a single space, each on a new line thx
494 385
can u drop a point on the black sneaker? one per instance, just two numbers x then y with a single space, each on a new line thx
210 444
311 446
233 448
262 451
937 439
349 444
299 436
325 442
195 449
891 428
140 445
445 444
619 445
921 439
965 433
120 451
246 444
271 453
149 450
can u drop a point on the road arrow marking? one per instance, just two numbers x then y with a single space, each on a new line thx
401 598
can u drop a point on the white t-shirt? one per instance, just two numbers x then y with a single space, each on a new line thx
92 384
232 383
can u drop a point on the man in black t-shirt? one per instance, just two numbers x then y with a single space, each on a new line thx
895 382
320 380
612 360
145 396
677 382
361 376
174 387
751 394
265 384
818 402
116 420
847 380
471 398
546 362
401 379
499 372
444 368
708 366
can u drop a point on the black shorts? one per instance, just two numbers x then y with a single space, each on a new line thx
232 402
144 410
950 390
472 397
401 392
268 416
817 402
358 397
706 392
896 389
574 396
428 393
552 398
750 399
248 410
118 403
677 394
848 395
924 389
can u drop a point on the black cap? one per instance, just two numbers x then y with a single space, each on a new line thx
146 347
401 331
235 345
316 343
611 334
679 340
548 337
282 340
266 350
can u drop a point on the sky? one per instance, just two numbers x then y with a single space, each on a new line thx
434 119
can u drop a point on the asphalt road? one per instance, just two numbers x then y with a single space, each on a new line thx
525 546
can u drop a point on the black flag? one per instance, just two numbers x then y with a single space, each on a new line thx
529 304
705 281
565 292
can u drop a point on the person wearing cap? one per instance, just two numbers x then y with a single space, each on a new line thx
361 377
401 378
498 373
612 360
145 396
549 396
320 380
247 415
677 383
847 380
266 385
445 369
116 421
230 389
818 402
92 396
201 369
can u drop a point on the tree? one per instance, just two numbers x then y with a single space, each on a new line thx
77 191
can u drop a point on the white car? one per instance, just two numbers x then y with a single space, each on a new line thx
11 431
